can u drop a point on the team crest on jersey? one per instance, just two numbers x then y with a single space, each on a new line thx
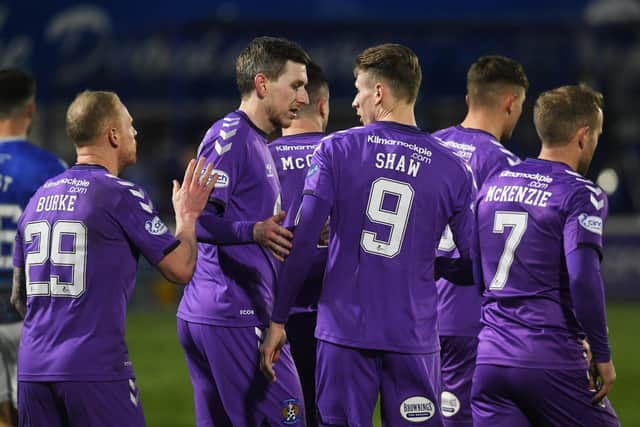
269 170
155 226
449 404
417 409
290 412
591 223
223 178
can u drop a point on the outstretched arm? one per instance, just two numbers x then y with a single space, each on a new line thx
313 213
189 199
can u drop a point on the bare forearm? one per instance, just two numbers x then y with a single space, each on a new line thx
19 291
186 233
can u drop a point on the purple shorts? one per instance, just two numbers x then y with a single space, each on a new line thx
458 360
525 397
228 387
348 381
70 404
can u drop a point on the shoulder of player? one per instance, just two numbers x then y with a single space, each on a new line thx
445 153
581 188
443 134
228 132
30 151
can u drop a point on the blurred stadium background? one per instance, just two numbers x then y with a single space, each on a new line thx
173 65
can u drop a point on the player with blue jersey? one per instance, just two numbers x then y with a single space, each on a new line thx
292 155
539 245
23 168
496 88
75 261
226 306
389 189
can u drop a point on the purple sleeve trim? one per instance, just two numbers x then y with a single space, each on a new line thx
587 294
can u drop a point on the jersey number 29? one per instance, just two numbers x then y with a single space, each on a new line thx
50 247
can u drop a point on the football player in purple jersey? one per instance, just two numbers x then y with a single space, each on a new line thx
496 88
226 306
539 246
389 190
75 261
292 154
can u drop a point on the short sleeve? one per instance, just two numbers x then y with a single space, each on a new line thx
226 156
587 213
18 250
462 221
142 225
320 180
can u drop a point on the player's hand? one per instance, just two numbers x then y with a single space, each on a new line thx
607 376
190 198
592 371
324 235
273 236
270 349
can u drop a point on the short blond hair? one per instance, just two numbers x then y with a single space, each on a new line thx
89 114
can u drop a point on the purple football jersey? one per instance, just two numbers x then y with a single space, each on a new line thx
459 306
393 189
292 156
79 240
529 217
233 284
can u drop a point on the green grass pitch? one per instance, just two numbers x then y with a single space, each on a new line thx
168 399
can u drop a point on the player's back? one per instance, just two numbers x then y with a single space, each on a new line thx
393 188
79 240
459 306
528 217
23 168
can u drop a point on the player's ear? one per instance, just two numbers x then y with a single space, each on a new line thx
509 101
261 81
30 109
322 106
112 136
466 100
581 134
379 90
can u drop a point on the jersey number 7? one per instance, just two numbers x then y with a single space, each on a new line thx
517 221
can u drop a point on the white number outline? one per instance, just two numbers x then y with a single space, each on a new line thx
379 188
518 222
13 212
50 249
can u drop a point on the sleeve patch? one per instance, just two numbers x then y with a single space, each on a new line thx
155 226
591 223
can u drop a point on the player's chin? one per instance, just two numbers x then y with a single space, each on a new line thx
285 121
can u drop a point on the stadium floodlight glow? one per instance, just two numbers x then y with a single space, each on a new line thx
608 180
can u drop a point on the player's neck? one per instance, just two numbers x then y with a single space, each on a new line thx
253 108
303 124
400 113
559 154
90 156
484 121
13 128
